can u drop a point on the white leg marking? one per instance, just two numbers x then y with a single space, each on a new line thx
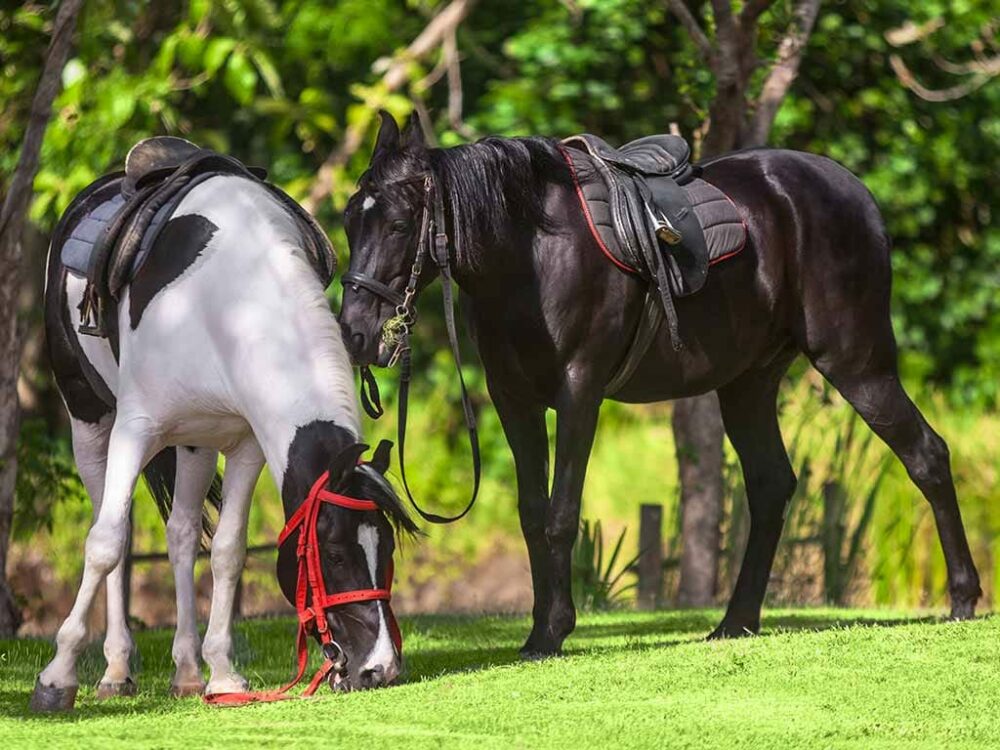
195 471
383 653
90 450
131 445
229 549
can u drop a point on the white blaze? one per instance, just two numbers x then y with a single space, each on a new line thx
383 652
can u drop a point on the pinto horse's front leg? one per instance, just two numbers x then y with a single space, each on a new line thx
229 551
130 447
577 407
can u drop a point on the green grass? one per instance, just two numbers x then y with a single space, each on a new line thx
816 678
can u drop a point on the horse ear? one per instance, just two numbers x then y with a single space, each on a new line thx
413 133
388 135
381 456
344 463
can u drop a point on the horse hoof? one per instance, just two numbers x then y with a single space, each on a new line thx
49 699
725 631
187 689
124 689
963 610
231 684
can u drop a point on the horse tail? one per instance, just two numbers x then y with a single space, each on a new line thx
159 475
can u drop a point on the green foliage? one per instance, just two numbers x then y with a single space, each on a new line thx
46 476
596 585
276 82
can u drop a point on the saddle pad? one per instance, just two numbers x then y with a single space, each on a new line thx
725 232
79 246
77 253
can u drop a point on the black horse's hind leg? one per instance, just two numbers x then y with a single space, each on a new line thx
749 412
881 401
524 426
577 410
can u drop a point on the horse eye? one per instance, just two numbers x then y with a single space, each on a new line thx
400 227
336 559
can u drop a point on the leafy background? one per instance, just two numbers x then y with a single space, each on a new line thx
278 83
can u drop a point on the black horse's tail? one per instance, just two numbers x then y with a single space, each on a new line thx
159 475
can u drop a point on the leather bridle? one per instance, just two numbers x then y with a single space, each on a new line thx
433 239
312 600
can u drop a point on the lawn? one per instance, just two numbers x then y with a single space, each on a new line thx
816 678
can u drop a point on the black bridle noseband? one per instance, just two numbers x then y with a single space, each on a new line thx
396 330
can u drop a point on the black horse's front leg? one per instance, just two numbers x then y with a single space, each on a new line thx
524 425
577 410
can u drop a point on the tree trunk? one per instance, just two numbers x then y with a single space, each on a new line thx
697 423
12 215
698 437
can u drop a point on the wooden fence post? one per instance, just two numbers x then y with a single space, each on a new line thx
650 555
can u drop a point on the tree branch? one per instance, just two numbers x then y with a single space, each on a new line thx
12 215
396 74
783 72
752 10
951 93
680 9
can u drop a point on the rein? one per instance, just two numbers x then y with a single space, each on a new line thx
312 599
396 332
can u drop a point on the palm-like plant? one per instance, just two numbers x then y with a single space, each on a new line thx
598 585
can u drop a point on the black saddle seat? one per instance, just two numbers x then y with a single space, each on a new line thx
154 158
654 155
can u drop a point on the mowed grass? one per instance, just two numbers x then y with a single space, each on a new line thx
815 678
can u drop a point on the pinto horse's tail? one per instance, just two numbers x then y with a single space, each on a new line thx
159 475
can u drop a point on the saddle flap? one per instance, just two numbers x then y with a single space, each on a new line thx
162 152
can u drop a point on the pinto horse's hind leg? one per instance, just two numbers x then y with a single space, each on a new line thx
195 471
750 415
524 425
90 451
130 447
229 550
879 398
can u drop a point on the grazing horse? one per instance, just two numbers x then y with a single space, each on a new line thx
225 343
552 319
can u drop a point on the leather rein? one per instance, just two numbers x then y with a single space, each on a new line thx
433 239
312 599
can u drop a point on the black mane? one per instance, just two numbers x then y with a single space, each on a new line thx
495 185
492 188
366 482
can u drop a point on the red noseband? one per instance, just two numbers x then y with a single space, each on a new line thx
311 597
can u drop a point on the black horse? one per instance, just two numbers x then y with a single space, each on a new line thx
552 319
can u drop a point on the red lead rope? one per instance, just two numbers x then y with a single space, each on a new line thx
311 597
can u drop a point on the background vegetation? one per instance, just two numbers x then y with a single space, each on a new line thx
285 83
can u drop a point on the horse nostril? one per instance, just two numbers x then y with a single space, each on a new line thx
357 343
372 677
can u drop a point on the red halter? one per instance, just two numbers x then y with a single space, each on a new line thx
312 599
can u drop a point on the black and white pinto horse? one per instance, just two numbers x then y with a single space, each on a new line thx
227 344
